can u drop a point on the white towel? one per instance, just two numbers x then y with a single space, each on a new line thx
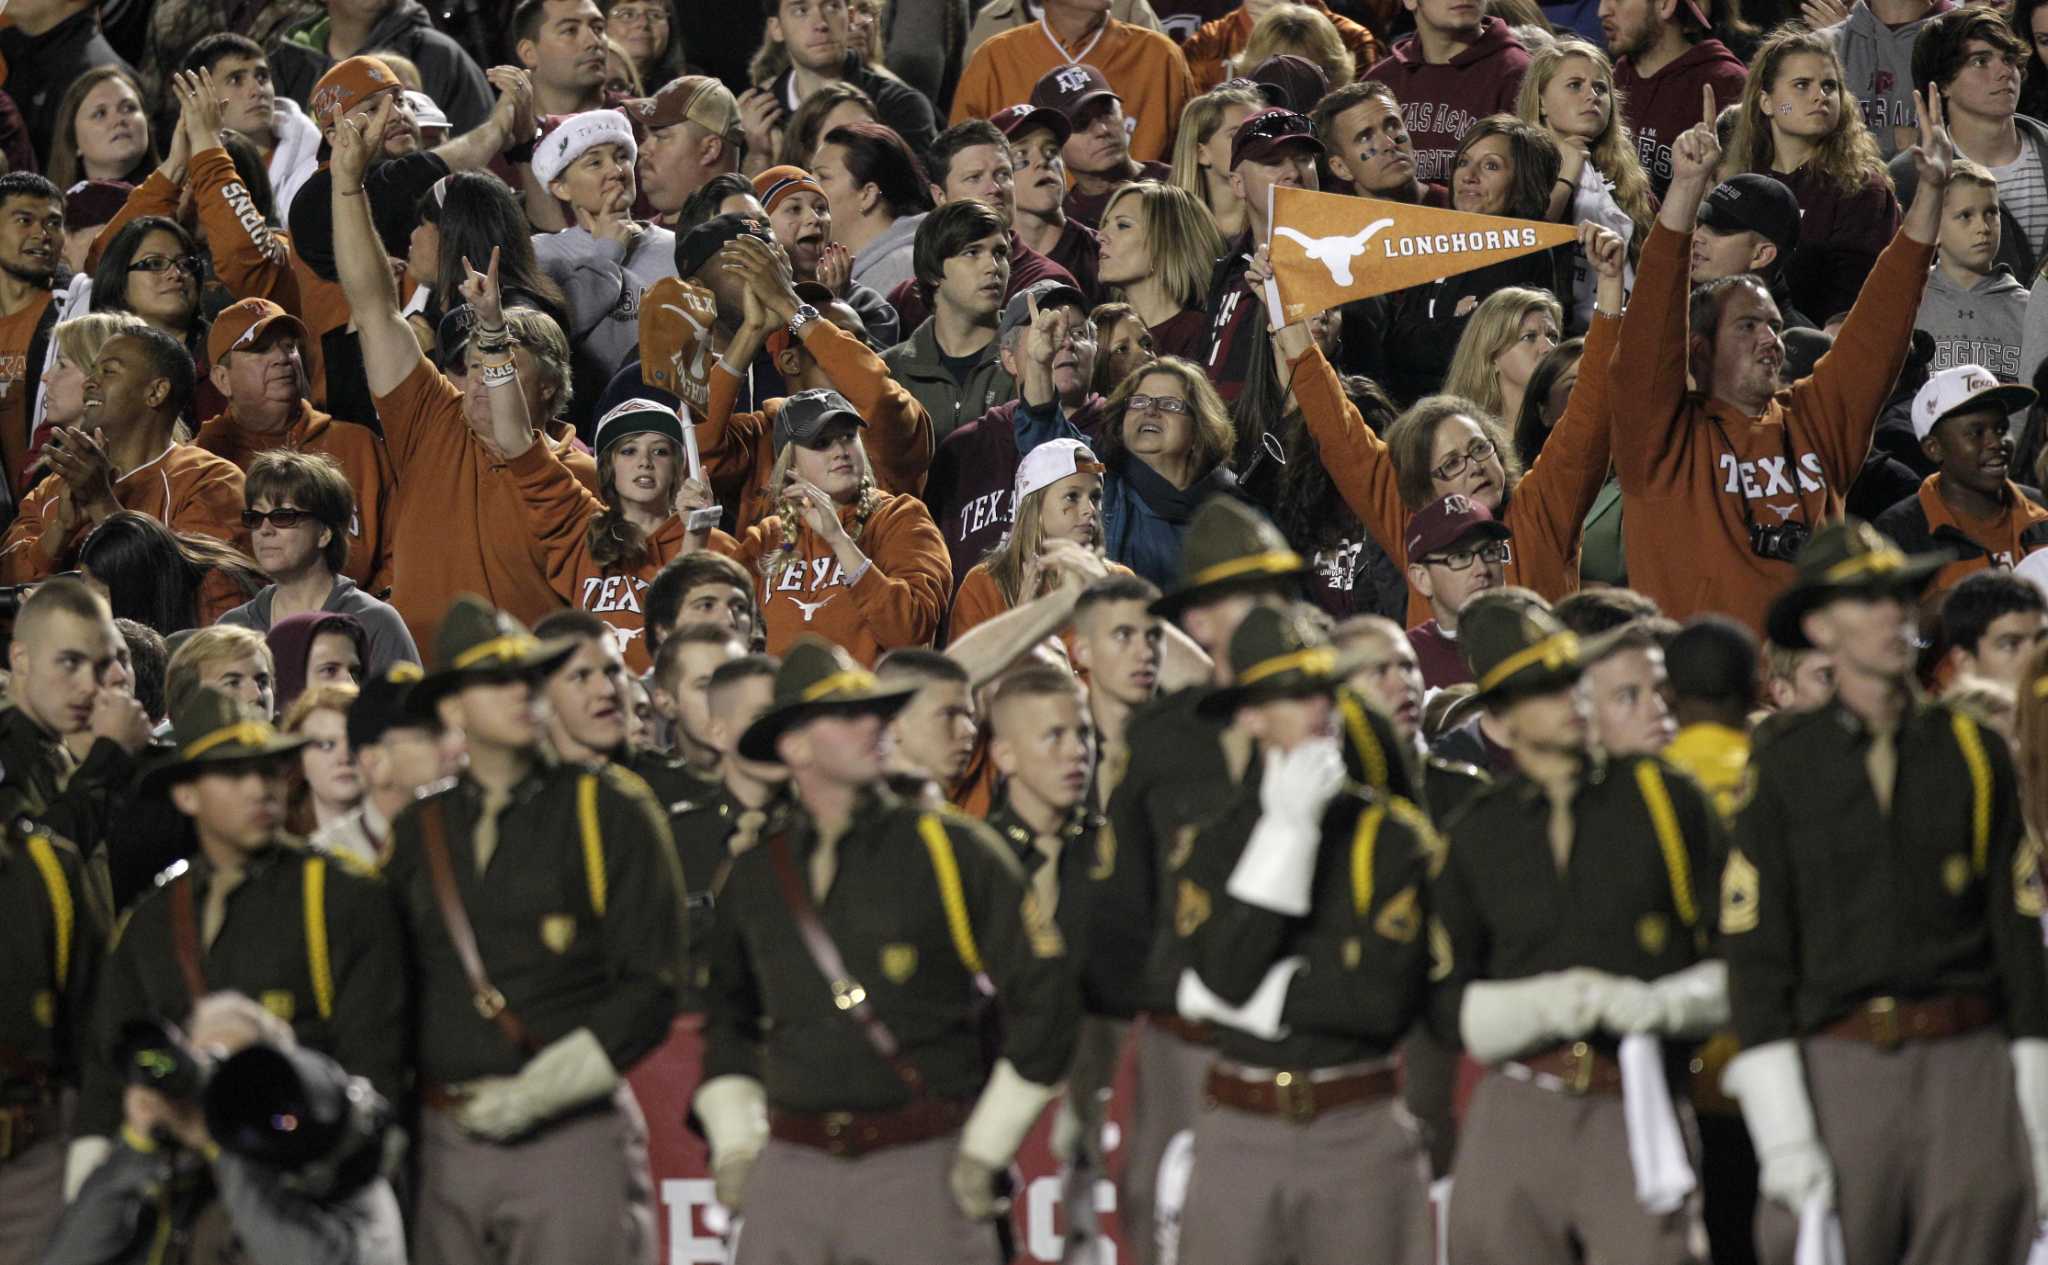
1820 1235
1656 1145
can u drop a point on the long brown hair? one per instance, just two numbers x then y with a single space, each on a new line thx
615 542
65 166
1849 156
300 817
1214 433
1413 436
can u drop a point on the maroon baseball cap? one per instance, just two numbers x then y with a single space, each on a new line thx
1019 119
1290 81
1447 521
1267 133
1070 89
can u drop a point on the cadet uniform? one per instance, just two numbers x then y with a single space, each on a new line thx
1183 771
699 820
855 1017
1881 912
1551 901
76 799
1307 933
314 940
50 946
549 930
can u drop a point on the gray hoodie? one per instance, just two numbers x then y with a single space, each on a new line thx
1978 326
604 286
884 263
1877 69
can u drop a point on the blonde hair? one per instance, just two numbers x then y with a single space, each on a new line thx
1180 235
1848 157
1492 329
1305 32
221 643
79 339
1199 121
1613 151
613 48
1026 537
536 331
1961 169
781 553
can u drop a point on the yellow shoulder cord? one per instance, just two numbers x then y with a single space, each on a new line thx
1669 839
946 867
318 964
1363 841
1972 745
593 841
1369 752
62 913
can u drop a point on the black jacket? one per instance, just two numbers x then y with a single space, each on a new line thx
40 68
900 105
448 73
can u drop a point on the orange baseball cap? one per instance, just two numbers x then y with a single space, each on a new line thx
239 325
348 84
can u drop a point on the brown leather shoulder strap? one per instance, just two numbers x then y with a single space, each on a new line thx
489 1002
185 936
847 992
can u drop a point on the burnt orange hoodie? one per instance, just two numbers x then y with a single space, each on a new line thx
559 511
738 449
1546 509
187 489
1697 472
898 601
459 512
359 453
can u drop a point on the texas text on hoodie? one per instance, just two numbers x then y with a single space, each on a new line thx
1877 66
1659 108
1440 102
1981 325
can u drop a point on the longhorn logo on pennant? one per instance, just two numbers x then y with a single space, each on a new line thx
1329 249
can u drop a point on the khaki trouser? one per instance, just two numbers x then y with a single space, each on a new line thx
1930 1157
1168 1100
1543 1178
578 1192
31 1201
888 1207
1350 1187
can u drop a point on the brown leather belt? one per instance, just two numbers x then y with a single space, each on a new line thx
25 1124
1296 1094
1887 1022
1191 1031
1578 1068
851 1134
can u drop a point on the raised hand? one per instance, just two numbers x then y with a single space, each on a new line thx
514 108
761 120
1823 13
765 271
480 291
1048 334
80 459
1606 254
1934 157
1697 151
835 269
201 115
354 145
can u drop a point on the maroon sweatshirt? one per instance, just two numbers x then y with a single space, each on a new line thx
1026 266
1438 103
974 473
1657 109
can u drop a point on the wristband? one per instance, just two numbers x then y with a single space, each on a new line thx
492 331
352 193
499 375
494 348
521 155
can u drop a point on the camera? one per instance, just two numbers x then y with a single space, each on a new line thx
299 1112
152 1054
1781 543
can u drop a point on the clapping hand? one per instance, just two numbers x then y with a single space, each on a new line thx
817 510
199 109
514 109
80 459
835 269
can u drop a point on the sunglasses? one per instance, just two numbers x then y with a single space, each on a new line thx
283 520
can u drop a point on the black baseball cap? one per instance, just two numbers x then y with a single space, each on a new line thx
1295 83
1267 133
695 248
1754 203
805 415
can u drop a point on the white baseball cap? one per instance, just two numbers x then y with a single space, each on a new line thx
1050 462
1951 390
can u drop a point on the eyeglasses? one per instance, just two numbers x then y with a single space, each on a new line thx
190 264
1164 403
283 520
1462 559
1454 465
634 15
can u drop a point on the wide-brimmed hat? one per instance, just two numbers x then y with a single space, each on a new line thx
1845 559
1227 542
208 728
475 642
817 678
1277 654
1516 649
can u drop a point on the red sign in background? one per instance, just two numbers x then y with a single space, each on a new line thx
691 1222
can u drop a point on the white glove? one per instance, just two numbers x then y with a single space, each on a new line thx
734 1113
1690 1002
566 1073
1770 1083
2030 1086
80 1159
1278 865
1259 1016
1009 1105
1499 1019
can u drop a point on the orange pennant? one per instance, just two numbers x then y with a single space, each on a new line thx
1329 249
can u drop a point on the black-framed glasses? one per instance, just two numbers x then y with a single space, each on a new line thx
188 264
283 520
1455 464
1164 403
1462 559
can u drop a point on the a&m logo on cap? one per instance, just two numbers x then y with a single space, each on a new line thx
1072 79
1456 503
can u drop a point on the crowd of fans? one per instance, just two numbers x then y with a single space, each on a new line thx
933 332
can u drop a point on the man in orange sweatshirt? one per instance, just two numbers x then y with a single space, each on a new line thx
122 456
457 507
258 354
1723 480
